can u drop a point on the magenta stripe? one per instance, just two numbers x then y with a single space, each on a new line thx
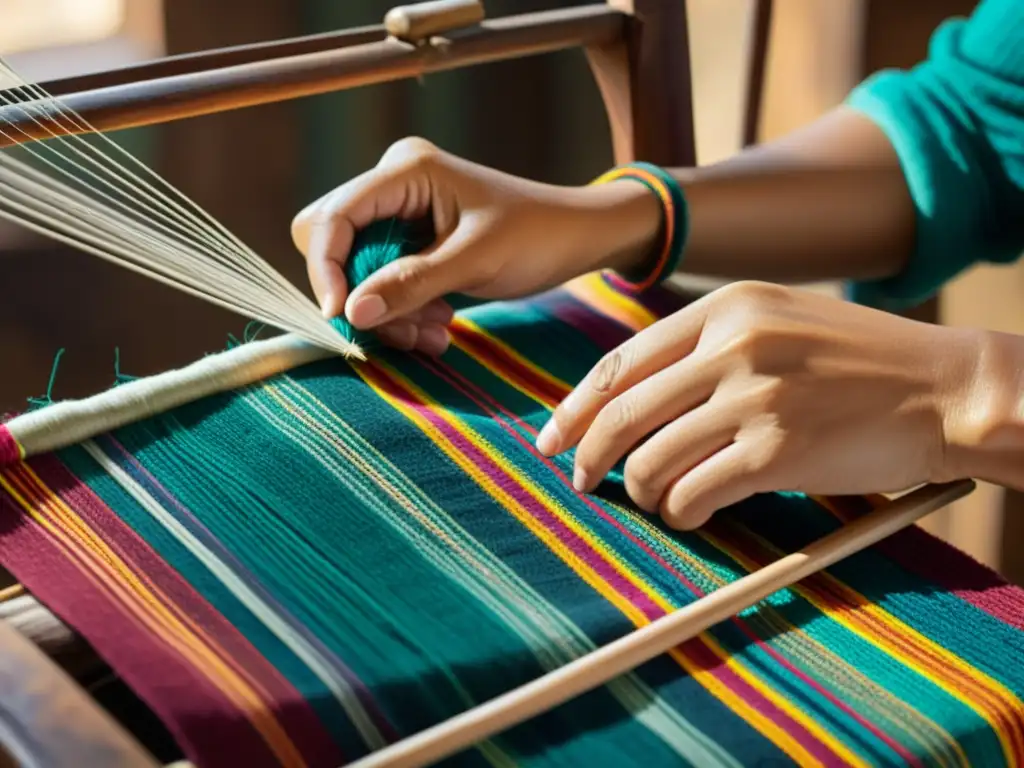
699 652
524 498
476 394
695 649
9 451
284 702
152 669
956 572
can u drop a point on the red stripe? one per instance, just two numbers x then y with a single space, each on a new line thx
182 697
934 560
461 383
10 452
492 356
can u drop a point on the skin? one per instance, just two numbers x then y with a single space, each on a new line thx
757 387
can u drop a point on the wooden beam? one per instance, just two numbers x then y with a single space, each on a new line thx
645 80
180 96
761 27
46 719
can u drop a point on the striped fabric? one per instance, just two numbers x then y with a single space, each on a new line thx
301 572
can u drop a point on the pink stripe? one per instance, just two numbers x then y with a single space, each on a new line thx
709 661
458 381
10 451
134 657
944 565
696 649
524 498
454 378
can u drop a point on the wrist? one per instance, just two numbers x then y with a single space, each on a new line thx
985 419
621 225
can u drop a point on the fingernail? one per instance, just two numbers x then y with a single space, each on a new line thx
434 339
549 438
367 311
327 306
579 480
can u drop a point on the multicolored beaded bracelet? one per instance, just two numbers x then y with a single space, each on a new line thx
675 224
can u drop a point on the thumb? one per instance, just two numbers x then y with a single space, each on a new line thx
408 284
325 230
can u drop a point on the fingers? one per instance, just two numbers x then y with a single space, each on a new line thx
638 412
430 339
675 450
424 331
400 186
650 351
723 479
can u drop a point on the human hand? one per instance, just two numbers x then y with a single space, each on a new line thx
758 388
498 237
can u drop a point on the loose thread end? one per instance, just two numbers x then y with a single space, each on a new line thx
356 352
47 399
119 377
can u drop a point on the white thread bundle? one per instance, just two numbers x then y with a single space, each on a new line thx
72 421
109 204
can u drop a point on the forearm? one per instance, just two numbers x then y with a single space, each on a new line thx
826 202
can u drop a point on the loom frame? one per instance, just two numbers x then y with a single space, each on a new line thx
638 51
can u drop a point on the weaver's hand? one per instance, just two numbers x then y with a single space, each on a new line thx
759 388
498 236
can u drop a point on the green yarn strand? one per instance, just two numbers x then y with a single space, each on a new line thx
376 246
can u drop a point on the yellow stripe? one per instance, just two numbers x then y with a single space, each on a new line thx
593 291
159 620
505 499
819 652
598 286
763 724
1006 703
476 330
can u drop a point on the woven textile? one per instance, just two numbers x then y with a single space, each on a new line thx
314 567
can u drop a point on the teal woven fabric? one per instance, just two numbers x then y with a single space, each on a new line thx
309 569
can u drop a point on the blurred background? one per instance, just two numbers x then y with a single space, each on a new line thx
539 117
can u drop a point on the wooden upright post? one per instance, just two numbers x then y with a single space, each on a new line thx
646 84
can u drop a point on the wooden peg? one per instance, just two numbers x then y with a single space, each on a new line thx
417 23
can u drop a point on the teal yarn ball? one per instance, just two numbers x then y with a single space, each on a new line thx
376 246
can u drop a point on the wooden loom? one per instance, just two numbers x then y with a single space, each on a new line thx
638 52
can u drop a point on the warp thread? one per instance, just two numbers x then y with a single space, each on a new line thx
48 426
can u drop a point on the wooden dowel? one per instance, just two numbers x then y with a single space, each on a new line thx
187 63
416 23
46 719
11 592
199 93
629 652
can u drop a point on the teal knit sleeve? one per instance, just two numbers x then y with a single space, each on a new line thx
956 122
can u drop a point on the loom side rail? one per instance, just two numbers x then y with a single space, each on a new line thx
191 94
218 58
46 719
